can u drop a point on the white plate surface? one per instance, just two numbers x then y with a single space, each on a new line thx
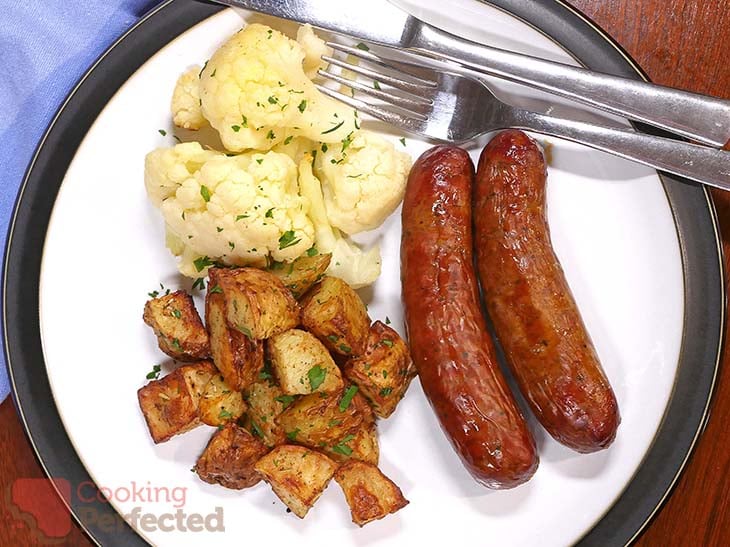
612 229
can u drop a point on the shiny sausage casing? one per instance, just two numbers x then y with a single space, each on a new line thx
449 343
535 316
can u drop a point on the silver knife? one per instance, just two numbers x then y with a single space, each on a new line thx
699 117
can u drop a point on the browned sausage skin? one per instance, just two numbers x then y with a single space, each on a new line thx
449 343
533 311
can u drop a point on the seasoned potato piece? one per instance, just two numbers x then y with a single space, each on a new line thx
257 303
229 458
220 404
370 494
180 333
238 357
334 313
384 371
300 275
302 364
297 475
265 402
361 445
323 421
170 404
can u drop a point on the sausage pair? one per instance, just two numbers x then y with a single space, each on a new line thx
534 314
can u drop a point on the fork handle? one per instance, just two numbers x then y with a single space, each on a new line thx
699 117
699 163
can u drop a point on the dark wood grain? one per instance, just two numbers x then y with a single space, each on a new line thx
682 43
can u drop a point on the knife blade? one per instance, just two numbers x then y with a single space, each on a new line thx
699 117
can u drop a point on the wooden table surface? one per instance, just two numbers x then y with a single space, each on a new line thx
681 43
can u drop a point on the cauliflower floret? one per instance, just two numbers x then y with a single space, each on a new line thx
236 210
186 112
255 94
363 181
314 48
356 267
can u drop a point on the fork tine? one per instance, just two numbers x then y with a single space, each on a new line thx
412 123
399 83
401 101
371 57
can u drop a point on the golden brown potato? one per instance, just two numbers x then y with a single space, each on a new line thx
370 494
334 313
323 421
170 404
361 445
219 404
257 303
384 371
302 364
297 475
180 333
265 402
229 458
300 275
238 357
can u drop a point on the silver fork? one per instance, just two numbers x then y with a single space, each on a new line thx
450 107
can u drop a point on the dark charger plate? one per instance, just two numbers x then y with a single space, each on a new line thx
692 208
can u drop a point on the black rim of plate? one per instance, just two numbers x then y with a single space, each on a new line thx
694 214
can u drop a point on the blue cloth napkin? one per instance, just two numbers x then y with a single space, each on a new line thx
45 47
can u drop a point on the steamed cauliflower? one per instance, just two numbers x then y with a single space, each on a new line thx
363 180
238 210
256 94
356 267
314 48
186 112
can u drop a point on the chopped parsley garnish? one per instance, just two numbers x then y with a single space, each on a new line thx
312 251
362 47
403 141
387 342
285 400
176 344
376 84
202 69
176 313
344 348
386 391
155 374
219 229
387 320
270 213
324 147
292 435
302 106
199 283
270 33
212 74
333 338
333 423
271 135
316 376
347 398
162 132
256 429
346 142
224 414
246 331
205 193
202 262
385 374
333 129
342 448
236 128
231 245
153 294
244 121
259 161
239 217
288 239
215 290
273 100
288 139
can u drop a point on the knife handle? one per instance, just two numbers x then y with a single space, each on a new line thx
702 118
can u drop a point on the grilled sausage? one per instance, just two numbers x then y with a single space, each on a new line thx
534 314
449 343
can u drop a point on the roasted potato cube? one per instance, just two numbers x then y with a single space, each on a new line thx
300 275
257 302
334 313
170 404
220 404
384 371
238 357
265 402
177 325
230 457
360 445
302 364
323 421
370 494
297 475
